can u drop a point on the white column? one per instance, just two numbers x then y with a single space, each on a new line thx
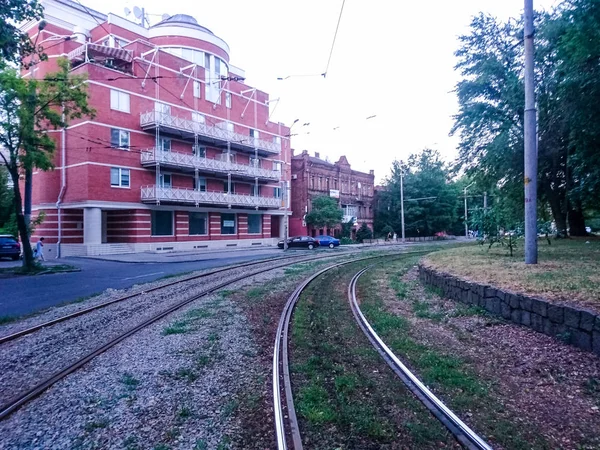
92 226
281 227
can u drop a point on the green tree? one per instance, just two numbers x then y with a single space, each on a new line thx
6 200
430 198
364 232
491 105
14 44
325 212
28 109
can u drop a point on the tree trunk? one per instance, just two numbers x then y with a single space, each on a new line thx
577 223
28 262
558 214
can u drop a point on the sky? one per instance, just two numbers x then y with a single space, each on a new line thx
392 59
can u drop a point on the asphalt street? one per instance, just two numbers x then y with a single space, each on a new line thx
25 295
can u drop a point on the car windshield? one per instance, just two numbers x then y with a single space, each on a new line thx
7 241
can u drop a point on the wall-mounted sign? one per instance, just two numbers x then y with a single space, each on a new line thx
334 193
229 223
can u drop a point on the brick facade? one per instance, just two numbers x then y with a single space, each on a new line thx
313 177
176 129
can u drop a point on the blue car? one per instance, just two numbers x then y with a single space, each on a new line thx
328 241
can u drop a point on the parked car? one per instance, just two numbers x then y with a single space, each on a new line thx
300 241
9 247
328 241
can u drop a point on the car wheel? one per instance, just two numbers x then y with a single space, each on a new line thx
331 245
310 246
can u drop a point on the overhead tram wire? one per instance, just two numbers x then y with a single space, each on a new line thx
334 38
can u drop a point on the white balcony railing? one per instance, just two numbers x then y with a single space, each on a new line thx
152 157
153 119
189 196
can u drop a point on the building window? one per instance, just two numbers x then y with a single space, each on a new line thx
207 61
119 177
162 223
256 189
277 166
228 99
277 140
119 139
254 133
199 152
254 223
197 89
197 222
226 185
277 192
227 223
164 144
200 185
254 162
119 101
165 180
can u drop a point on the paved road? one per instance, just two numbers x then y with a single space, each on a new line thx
25 295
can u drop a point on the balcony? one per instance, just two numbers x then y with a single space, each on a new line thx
189 128
152 157
152 194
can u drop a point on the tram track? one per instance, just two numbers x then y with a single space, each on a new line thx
24 397
461 431
287 428
32 329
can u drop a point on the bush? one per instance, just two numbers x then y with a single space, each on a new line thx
346 241
364 232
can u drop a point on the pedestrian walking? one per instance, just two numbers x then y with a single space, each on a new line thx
39 249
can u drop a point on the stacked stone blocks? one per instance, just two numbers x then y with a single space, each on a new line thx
577 326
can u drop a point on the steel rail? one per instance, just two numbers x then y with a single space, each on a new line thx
22 399
281 360
461 431
81 312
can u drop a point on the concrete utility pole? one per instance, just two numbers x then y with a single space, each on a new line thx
402 201
531 163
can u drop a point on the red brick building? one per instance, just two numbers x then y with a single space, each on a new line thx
181 153
313 177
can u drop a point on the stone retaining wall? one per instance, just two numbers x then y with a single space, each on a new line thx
577 326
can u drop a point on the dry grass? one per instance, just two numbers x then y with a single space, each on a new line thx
567 270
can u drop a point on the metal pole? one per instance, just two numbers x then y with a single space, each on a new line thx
402 202
531 163
466 224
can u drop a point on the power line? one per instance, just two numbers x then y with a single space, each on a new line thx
334 37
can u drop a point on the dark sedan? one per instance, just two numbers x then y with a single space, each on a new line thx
9 247
328 241
300 242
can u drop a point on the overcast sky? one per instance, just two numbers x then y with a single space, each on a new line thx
392 59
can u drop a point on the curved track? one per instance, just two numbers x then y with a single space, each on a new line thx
461 431
22 399
286 422
13 336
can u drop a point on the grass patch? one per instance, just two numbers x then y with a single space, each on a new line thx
567 269
8 319
174 275
129 381
450 376
97 424
179 327
346 396
39 269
